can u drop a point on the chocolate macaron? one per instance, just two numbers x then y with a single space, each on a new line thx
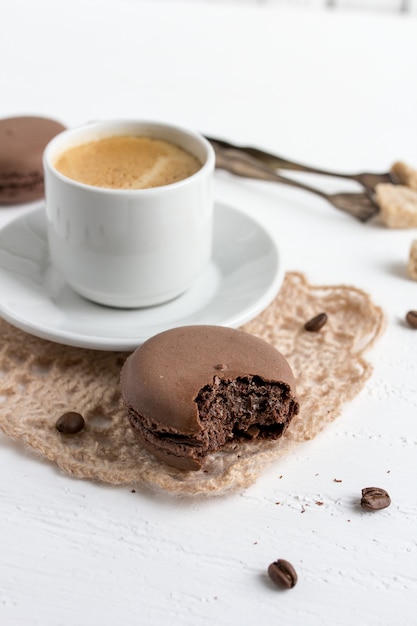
191 390
22 142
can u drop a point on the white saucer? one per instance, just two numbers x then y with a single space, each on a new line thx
243 278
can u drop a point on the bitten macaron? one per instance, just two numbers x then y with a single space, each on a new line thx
190 391
22 142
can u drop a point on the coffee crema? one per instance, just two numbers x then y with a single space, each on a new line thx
127 162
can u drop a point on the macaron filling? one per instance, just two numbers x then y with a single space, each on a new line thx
229 411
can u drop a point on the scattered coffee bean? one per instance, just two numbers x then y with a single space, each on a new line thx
316 323
411 318
70 423
282 574
375 498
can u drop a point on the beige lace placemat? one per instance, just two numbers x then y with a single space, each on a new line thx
40 380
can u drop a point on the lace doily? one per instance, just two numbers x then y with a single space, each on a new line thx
40 380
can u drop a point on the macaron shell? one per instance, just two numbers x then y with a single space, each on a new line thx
161 379
22 142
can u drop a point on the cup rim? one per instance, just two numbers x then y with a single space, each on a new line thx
209 163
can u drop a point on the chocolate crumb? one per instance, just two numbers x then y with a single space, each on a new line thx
319 503
253 431
336 480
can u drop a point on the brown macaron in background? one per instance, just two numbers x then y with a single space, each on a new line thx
191 390
22 142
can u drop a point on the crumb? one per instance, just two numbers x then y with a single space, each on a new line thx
277 502
280 476
398 205
319 503
405 174
133 491
336 480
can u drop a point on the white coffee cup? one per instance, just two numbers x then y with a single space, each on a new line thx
130 247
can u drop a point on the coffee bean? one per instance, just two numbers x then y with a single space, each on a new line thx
411 318
70 423
316 323
282 574
375 498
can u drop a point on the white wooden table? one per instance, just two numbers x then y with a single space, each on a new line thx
331 89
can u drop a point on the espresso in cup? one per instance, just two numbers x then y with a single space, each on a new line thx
137 239
127 162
